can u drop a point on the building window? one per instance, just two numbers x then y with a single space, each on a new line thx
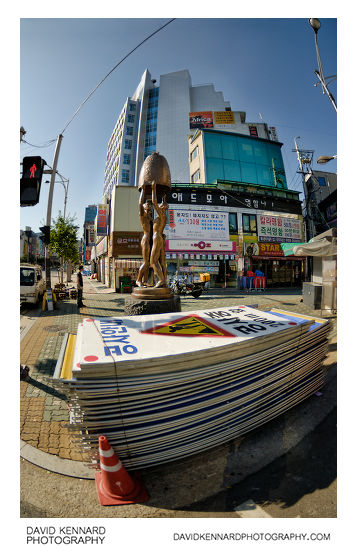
131 118
151 126
132 107
322 180
233 225
250 224
154 92
128 144
125 176
130 130
150 141
194 153
195 177
126 159
152 114
153 102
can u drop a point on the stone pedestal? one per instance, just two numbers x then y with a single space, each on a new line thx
151 300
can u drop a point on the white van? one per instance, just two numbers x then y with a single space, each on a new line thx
32 284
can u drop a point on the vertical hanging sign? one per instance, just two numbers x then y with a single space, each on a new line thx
102 219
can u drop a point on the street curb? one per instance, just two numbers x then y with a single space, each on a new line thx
53 463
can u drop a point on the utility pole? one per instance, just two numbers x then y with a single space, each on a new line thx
305 159
49 209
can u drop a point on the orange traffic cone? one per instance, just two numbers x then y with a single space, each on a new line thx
114 484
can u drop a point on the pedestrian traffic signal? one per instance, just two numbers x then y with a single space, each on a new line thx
46 234
30 183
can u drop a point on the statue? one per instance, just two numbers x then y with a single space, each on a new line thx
145 213
155 177
152 294
157 257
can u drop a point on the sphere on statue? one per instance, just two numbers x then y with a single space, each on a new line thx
155 169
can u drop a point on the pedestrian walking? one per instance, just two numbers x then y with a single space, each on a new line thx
80 287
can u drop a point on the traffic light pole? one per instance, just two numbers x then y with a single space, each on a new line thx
49 208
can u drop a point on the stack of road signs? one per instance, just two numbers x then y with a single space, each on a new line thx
162 387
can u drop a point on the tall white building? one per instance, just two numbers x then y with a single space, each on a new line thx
159 118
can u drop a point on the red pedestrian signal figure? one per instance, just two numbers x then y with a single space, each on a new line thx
30 183
33 169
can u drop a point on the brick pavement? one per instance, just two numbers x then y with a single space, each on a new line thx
44 414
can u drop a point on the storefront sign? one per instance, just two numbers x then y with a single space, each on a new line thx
270 249
102 246
202 119
232 199
278 229
201 246
197 224
125 243
198 269
224 117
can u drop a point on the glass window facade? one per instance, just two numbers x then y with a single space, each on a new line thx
125 176
239 158
151 122
249 224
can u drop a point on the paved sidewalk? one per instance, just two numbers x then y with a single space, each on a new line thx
44 412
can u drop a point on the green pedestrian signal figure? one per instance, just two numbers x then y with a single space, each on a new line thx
33 170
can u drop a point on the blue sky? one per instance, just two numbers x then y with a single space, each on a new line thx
262 66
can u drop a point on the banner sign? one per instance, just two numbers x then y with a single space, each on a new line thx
197 224
203 119
278 229
201 246
102 219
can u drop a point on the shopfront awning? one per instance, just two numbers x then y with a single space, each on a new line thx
324 244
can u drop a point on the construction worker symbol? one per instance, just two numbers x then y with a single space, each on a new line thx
189 326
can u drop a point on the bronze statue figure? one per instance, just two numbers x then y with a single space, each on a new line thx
155 177
145 213
157 257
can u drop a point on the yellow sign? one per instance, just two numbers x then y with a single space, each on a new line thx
189 326
224 117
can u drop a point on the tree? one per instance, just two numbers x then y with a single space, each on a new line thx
63 240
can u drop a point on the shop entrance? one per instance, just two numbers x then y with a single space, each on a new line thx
279 272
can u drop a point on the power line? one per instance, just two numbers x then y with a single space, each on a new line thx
113 69
47 144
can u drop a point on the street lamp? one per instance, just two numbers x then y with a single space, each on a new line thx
325 159
22 133
62 181
315 25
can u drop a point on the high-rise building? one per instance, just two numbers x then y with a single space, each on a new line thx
159 118
90 214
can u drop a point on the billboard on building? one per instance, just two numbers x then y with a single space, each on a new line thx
102 219
224 117
278 229
197 224
202 119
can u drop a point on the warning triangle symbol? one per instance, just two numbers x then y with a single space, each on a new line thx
189 326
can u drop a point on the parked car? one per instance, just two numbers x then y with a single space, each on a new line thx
32 284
